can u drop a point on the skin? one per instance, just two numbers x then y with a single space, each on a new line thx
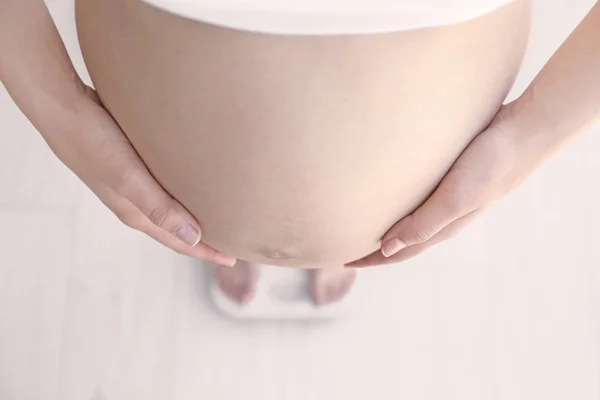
36 70
561 103
145 56
299 151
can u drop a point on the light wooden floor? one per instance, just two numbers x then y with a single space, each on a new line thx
92 311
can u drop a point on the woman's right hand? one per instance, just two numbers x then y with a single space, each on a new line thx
95 148
38 74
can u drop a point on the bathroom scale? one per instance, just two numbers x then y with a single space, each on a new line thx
283 294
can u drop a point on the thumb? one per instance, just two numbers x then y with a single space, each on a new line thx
142 190
441 209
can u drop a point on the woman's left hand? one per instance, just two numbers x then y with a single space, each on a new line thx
562 102
495 162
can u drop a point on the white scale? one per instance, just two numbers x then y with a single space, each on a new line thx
283 294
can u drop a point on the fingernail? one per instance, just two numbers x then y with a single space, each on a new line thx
224 259
392 246
188 234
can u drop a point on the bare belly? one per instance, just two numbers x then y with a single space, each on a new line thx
298 151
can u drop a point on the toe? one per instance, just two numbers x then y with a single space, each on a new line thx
330 286
235 291
237 283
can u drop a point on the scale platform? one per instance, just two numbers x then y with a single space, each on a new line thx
283 294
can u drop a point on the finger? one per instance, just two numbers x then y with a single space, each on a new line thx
443 207
200 251
164 212
377 258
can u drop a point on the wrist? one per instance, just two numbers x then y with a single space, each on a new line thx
535 124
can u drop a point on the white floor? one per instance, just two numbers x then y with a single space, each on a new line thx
92 311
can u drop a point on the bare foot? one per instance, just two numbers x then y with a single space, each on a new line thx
237 282
331 284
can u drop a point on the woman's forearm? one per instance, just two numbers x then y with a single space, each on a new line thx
34 65
563 100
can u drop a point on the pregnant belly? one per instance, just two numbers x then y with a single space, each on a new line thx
298 151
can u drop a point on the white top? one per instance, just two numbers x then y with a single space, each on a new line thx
322 17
